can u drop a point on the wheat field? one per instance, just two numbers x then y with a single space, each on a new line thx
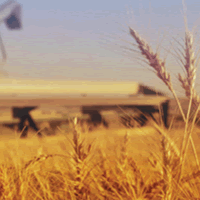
114 163
118 163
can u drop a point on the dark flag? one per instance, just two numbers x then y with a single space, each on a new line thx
10 13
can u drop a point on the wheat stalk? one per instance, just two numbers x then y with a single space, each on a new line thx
157 64
81 191
188 84
124 154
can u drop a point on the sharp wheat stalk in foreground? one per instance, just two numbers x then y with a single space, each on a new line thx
156 63
159 66
188 84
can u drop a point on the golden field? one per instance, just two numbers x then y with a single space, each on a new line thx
113 163
118 163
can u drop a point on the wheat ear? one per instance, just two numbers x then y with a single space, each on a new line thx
157 64
188 82
153 58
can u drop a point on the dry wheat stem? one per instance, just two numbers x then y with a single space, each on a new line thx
188 92
167 170
189 137
195 100
195 152
188 84
156 64
124 153
167 175
169 140
187 131
159 66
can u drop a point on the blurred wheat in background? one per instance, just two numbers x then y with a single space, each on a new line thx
110 164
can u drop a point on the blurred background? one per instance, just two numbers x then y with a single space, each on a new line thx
86 40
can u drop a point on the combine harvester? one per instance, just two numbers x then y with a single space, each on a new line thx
91 97
22 96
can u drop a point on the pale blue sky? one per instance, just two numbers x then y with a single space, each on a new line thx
73 40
